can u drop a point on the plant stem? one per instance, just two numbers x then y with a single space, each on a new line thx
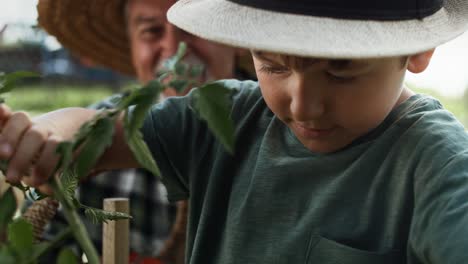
77 227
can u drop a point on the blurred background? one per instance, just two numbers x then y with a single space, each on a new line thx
68 81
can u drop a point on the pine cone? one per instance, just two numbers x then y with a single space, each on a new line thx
39 214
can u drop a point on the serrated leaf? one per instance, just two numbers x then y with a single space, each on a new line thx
149 92
99 138
213 104
142 153
8 81
7 208
101 216
89 126
69 181
67 256
145 99
20 235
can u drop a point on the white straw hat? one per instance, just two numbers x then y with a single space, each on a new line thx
324 28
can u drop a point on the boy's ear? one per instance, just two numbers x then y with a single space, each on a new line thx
418 63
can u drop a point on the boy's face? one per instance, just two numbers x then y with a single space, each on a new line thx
329 103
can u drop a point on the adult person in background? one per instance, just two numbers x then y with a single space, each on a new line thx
134 37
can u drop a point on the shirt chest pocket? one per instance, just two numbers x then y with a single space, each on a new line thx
326 251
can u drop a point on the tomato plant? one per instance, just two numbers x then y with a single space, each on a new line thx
211 102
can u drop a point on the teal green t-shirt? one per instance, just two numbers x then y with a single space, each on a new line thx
396 195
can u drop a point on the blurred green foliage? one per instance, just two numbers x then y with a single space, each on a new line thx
40 99
457 105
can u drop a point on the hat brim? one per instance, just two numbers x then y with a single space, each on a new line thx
94 29
246 27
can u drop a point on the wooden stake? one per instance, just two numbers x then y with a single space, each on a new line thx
115 236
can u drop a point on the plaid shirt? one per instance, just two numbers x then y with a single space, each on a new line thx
151 212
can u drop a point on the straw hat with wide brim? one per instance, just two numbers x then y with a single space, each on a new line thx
94 29
328 29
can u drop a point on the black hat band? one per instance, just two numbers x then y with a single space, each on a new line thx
390 10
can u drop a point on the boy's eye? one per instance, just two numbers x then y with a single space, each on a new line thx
268 69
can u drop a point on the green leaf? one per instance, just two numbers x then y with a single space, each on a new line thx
144 99
152 90
99 138
195 71
6 258
180 68
67 256
213 104
40 248
142 153
20 235
172 63
69 181
89 126
7 208
65 150
100 216
8 81
179 85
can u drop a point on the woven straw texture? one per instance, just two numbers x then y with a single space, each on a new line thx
94 29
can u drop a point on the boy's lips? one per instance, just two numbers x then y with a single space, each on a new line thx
312 132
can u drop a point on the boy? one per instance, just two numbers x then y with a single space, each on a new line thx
336 161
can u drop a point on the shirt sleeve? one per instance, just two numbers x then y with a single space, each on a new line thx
439 230
180 141
170 129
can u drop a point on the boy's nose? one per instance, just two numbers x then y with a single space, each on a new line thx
307 102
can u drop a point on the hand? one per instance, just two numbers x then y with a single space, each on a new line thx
29 147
